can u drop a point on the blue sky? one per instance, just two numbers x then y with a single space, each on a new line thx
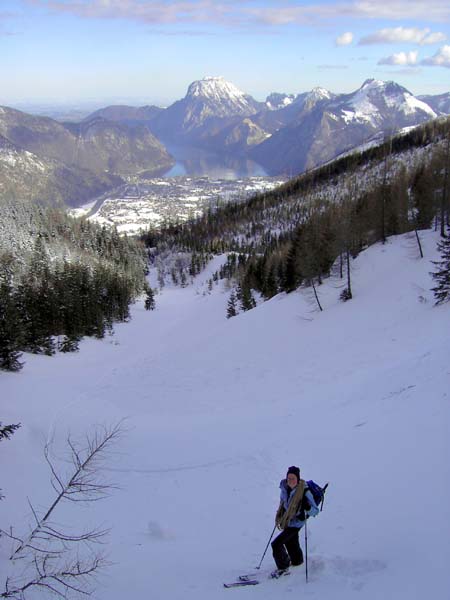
142 51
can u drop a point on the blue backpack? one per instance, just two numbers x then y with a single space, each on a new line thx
318 492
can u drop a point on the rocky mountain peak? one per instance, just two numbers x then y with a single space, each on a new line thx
276 100
377 101
320 93
213 88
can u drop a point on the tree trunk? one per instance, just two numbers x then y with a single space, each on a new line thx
349 283
444 202
317 297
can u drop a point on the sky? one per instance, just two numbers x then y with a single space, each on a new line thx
75 52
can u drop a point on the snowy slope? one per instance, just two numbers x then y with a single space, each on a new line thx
223 94
379 101
218 409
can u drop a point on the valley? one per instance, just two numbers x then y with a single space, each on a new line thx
216 130
142 203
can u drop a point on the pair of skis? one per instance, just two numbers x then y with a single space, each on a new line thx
245 580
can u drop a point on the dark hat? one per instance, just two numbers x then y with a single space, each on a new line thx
295 471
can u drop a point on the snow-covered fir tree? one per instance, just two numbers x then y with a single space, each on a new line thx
442 275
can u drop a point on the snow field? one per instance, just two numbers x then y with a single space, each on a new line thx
215 411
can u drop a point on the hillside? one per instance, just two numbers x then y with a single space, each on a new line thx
61 279
217 409
70 162
26 176
294 234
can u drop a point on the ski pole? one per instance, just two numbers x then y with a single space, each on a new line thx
262 558
306 547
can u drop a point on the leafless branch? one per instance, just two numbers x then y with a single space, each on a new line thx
48 554
84 484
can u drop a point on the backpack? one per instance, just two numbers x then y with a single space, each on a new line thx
318 492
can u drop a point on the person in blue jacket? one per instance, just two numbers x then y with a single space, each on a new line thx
296 505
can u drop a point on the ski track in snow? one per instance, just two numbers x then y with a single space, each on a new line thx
215 410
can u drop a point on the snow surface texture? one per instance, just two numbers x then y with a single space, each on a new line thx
218 90
368 100
217 409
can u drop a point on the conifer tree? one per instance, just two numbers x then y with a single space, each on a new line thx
6 431
246 297
10 329
442 275
232 306
70 343
270 282
149 298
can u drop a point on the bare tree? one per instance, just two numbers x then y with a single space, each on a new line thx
49 557
444 196
6 431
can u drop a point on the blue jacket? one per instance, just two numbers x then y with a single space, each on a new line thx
286 496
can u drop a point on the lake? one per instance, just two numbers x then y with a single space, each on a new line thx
198 162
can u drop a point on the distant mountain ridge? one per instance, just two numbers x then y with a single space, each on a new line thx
89 157
325 127
207 101
286 134
290 133
27 177
440 103
126 114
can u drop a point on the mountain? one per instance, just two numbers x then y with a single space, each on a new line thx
72 162
295 111
327 125
210 102
287 133
26 176
234 138
96 144
440 103
275 101
129 115
381 104
246 133
112 146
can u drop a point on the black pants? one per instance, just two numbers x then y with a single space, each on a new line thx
286 548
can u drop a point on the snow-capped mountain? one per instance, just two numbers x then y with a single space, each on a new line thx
379 102
303 104
288 132
275 101
206 101
327 125
225 97
250 131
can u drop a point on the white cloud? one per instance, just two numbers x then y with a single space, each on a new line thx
345 39
402 59
440 59
398 10
245 12
434 38
154 11
403 34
